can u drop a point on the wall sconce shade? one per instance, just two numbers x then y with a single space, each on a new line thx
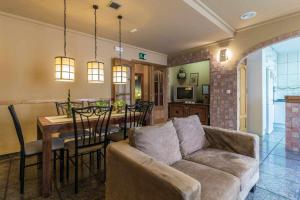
64 68
119 74
225 55
95 72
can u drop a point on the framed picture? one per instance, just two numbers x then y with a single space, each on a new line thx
194 79
205 89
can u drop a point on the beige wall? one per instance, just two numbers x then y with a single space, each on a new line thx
27 51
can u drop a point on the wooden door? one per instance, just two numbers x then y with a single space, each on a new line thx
243 97
141 83
158 94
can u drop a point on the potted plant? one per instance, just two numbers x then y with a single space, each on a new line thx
102 104
119 105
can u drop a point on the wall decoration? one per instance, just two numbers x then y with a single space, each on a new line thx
205 89
194 79
181 76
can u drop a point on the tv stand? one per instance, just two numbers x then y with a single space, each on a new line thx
178 109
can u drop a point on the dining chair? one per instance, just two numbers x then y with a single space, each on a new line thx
35 148
111 128
61 108
92 123
134 116
150 105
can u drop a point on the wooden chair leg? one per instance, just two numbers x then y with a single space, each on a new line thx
62 167
22 174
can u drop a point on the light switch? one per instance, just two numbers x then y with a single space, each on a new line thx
228 91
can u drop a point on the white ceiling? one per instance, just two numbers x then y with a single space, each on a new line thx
166 26
290 45
231 10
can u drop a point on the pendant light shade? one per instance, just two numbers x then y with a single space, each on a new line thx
64 66
95 72
95 68
119 71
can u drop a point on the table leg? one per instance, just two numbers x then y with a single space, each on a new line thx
39 136
47 163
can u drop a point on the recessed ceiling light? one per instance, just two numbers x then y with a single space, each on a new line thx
248 15
134 30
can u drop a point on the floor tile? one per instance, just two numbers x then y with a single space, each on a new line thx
283 162
266 146
281 151
280 172
261 194
279 186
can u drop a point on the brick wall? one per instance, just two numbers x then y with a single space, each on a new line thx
292 126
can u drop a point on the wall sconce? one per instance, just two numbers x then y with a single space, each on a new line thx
225 55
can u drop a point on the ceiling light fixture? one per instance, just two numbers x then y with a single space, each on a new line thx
65 66
119 70
248 15
95 68
134 30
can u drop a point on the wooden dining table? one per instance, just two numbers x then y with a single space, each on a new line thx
46 127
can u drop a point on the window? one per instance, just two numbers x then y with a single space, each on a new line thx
288 75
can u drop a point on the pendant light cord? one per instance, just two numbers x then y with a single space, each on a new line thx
65 28
95 13
120 39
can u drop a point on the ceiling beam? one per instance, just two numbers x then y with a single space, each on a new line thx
200 7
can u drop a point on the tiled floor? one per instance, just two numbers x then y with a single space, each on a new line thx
279 177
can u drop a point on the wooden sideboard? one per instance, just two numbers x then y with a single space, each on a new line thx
187 109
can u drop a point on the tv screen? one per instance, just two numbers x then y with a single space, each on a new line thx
185 93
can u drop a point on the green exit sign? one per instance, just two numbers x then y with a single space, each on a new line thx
142 56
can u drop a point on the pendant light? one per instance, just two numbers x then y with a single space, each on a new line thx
95 68
120 71
64 66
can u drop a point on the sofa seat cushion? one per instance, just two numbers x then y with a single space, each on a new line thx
159 141
215 184
241 166
190 134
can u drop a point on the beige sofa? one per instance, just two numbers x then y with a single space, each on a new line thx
226 169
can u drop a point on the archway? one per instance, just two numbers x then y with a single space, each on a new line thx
258 47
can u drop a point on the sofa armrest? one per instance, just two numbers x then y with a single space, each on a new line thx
234 141
133 175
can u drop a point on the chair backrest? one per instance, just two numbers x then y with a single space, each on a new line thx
62 107
134 116
17 127
90 125
99 103
150 105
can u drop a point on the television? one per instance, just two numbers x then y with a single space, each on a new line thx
184 94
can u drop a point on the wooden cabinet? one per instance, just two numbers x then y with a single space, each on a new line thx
184 110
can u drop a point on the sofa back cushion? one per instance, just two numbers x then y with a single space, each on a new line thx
160 142
190 134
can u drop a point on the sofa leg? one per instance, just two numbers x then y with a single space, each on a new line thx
253 189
